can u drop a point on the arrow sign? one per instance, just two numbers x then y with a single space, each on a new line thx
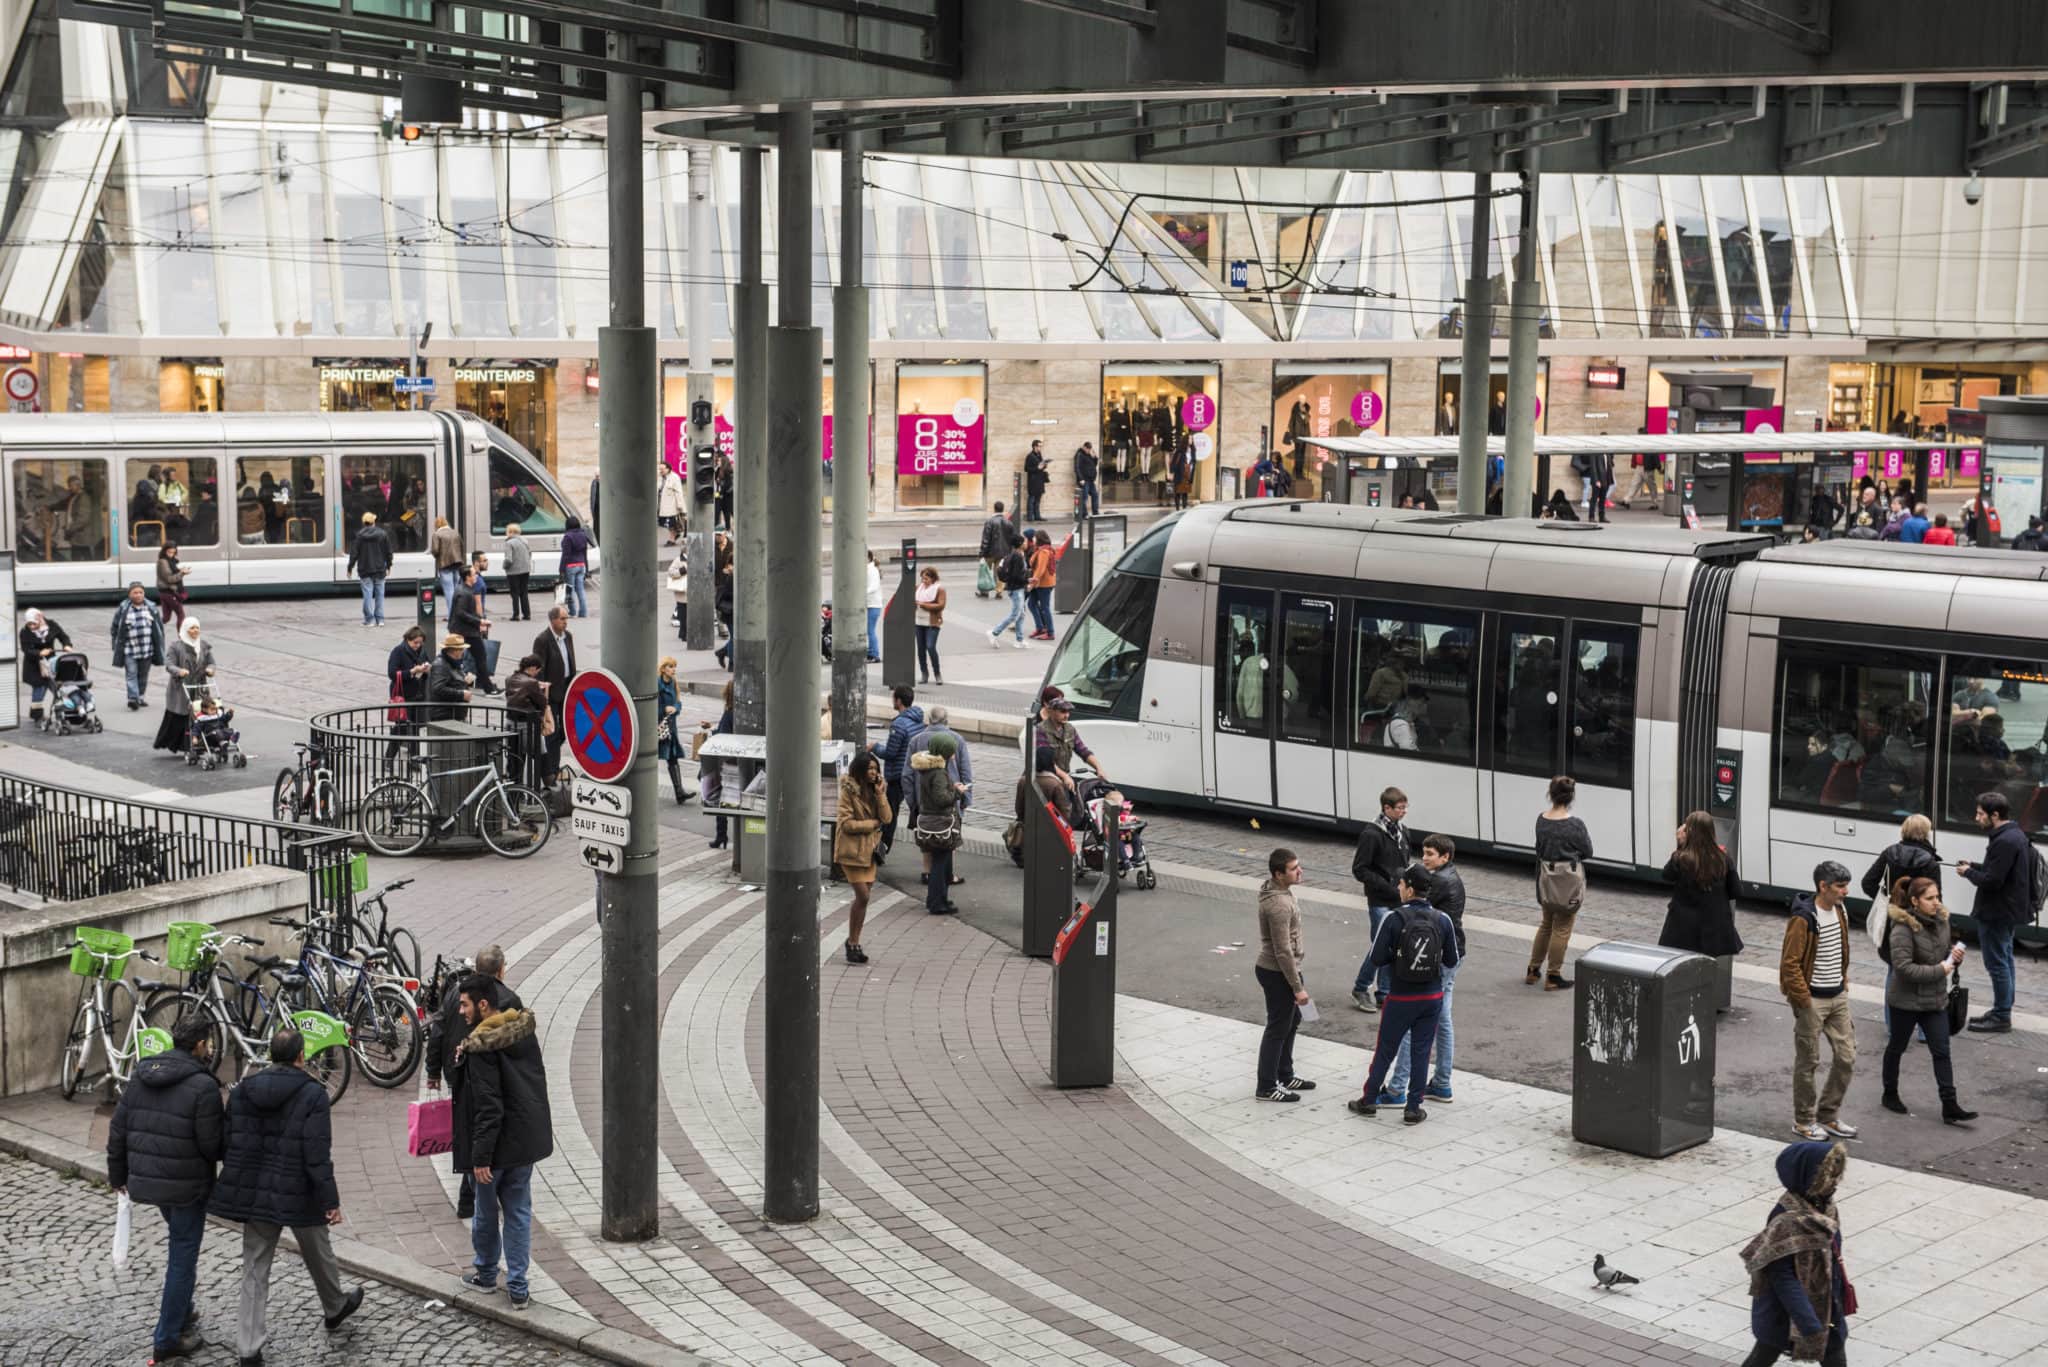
603 858
600 728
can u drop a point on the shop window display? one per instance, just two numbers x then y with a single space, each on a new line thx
1316 399
517 399
941 436
369 387
191 386
1154 438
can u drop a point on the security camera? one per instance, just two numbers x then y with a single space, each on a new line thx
1973 189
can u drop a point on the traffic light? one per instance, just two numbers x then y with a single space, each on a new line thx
703 468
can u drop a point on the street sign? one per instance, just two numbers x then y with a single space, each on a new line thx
21 384
610 799
596 826
413 384
602 857
1240 275
599 726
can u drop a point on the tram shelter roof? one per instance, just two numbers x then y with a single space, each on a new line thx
1423 449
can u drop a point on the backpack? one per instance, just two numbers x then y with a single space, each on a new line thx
1419 948
1015 573
2037 881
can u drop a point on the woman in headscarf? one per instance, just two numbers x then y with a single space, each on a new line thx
41 639
189 660
1800 1296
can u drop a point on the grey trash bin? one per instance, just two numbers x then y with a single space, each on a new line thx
1643 1049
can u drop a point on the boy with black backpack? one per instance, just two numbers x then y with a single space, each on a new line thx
1417 943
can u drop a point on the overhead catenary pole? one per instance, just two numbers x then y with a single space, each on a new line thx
790 986
1476 373
850 459
750 463
627 455
700 623
1519 482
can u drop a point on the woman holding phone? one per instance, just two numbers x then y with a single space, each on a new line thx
1923 955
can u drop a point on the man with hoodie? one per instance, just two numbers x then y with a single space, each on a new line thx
1384 849
1799 1293
1813 973
2005 898
1279 973
161 1149
445 1034
279 1175
1448 897
1418 944
896 753
502 1128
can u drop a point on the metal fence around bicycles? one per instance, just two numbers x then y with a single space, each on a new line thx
350 751
66 845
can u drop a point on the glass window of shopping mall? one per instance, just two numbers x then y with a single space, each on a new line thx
257 248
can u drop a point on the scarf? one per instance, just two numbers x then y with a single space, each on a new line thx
1805 1230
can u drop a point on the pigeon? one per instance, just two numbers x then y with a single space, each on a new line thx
1607 1278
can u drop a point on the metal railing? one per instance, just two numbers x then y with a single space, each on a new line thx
361 747
66 845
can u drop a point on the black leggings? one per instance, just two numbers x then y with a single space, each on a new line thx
1283 1018
1935 1025
515 584
1834 1355
927 653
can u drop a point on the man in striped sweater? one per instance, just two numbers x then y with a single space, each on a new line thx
1813 973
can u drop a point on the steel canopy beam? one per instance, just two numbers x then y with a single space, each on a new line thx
1805 28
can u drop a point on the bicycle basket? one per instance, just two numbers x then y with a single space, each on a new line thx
358 875
91 941
187 948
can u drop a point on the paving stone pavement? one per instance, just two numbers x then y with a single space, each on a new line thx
63 1303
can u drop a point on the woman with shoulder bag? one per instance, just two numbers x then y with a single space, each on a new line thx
938 819
1563 845
668 707
1922 954
863 807
931 615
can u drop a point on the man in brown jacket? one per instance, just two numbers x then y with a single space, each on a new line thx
1279 973
1813 973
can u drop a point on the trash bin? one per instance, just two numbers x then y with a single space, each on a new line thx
1643 1049
1084 990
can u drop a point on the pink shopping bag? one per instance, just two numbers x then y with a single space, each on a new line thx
430 1127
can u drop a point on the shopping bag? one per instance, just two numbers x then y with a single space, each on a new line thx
430 1127
984 579
124 1227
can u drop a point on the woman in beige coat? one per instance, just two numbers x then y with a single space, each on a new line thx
863 807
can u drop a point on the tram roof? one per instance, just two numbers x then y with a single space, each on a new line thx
32 430
1670 540
1661 443
1901 558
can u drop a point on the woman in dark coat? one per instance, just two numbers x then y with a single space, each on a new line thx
41 639
668 708
1799 1292
1910 856
1701 917
406 668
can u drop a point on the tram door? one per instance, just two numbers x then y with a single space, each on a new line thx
1275 700
1564 701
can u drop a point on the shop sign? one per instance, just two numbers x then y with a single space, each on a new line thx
1859 468
360 374
1367 408
1202 445
673 437
494 375
941 443
1197 411
1969 463
1606 376
1937 465
9 352
1894 464
209 371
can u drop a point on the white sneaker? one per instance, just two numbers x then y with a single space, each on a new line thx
1840 1129
995 641
1017 641
1809 1132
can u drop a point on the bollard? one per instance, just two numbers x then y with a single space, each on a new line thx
423 599
1048 874
1084 989
899 620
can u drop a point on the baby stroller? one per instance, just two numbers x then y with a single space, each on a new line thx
211 740
1105 807
72 707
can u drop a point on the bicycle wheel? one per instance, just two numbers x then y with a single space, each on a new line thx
123 1056
384 1032
287 799
514 821
171 1009
405 951
397 819
332 1067
77 1047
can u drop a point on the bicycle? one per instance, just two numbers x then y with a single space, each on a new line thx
385 1030
404 948
246 1024
103 958
401 816
304 791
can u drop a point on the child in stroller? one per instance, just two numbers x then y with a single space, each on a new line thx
72 708
1108 810
212 740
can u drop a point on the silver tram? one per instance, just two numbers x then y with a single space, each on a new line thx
258 502
1295 659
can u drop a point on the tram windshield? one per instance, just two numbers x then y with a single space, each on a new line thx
521 495
1101 664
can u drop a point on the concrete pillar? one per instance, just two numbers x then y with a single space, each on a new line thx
1476 372
700 624
1527 308
750 464
849 460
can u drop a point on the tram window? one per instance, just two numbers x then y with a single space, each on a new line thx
1414 676
517 496
1244 649
394 487
60 511
1997 739
1101 664
174 501
1526 696
1308 671
1852 736
1602 738
281 500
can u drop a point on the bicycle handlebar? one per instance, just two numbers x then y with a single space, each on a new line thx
107 956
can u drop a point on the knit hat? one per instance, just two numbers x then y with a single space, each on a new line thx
944 745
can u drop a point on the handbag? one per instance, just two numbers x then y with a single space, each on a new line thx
937 832
1560 885
396 713
1958 1004
430 1127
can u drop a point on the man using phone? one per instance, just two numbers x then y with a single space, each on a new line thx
2004 883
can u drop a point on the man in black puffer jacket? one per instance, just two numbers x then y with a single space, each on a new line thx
445 1034
161 1149
502 1128
280 1172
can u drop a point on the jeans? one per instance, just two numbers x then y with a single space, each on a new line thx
181 1271
259 1247
578 605
445 579
1446 1041
1031 503
509 1193
1994 942
1090 500
1410 1018
138 684
938 883
1933 1026
1824 1016
1041 610
927 653
1283 1018
1368 981
373 599
1015 620
874 637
